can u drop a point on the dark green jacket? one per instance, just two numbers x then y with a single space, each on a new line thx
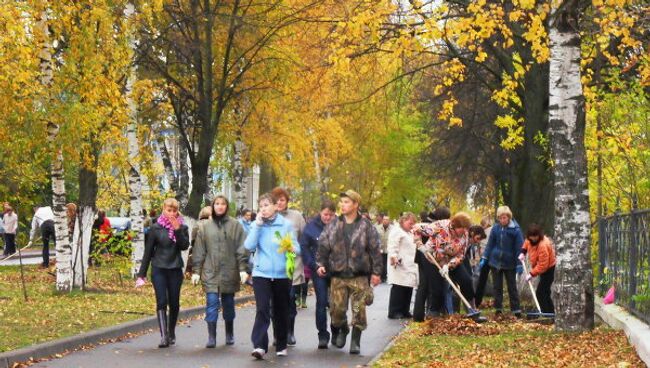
218 255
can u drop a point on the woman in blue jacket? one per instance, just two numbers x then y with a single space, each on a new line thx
271 283
501 252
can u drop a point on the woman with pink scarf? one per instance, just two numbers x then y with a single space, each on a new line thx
167 238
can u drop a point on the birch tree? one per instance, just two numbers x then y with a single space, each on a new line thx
135 181
240 175
63 251
573 288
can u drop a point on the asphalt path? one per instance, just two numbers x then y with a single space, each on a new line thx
191 335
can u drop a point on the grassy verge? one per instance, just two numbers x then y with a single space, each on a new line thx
457 342
110 299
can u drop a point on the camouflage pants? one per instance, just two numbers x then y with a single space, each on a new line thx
356 291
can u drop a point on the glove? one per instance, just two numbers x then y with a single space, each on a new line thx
140 282
444 271
520 269
529 277
483 263
522 257
243 276
196 279
259 221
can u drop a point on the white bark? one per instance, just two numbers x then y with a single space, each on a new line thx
63 251
81 245
239 176
182 195
167 164
573 287
135 182
190 222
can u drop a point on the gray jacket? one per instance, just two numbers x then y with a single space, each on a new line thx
298 222
218 255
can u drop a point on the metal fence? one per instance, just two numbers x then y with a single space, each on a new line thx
624 260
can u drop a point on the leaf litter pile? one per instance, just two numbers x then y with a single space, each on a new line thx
505 341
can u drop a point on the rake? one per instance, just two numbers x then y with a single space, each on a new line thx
472 313
539 313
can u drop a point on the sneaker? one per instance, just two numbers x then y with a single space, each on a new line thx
282 353
258 353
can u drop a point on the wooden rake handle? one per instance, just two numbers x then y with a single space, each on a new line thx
16 254
432 259
532 289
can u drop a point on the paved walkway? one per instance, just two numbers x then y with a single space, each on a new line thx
190 352
30 257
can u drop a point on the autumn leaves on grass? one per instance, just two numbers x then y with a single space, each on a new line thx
505 341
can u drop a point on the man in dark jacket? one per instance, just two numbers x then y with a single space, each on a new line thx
349 251
309 244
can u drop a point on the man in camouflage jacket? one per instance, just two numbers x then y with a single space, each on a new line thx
349 252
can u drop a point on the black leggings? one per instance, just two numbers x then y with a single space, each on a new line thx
459 276
10 244
399 303
167 284
424 293
544 291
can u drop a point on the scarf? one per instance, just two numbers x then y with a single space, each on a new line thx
219 220
164 222
270 219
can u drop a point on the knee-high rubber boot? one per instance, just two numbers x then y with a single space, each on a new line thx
162 324
335 334
342 336
355 341
171 327
291 338
230 333
212 335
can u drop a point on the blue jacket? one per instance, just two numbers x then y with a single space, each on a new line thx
246 225
309 242
262 240
504 246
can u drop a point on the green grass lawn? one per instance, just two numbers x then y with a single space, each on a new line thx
457 342
48 315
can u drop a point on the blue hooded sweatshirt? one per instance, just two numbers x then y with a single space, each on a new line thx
262 240
504 245
309 242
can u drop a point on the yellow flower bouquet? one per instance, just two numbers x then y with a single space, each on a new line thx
286 246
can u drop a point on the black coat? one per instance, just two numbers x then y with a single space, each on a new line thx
161 251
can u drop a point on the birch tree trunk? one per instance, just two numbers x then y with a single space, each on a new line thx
81 245
182 195
63 251
573 288
88 188
168 164
135 182
190 222
239 176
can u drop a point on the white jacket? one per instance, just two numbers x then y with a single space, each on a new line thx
10 222
402 246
